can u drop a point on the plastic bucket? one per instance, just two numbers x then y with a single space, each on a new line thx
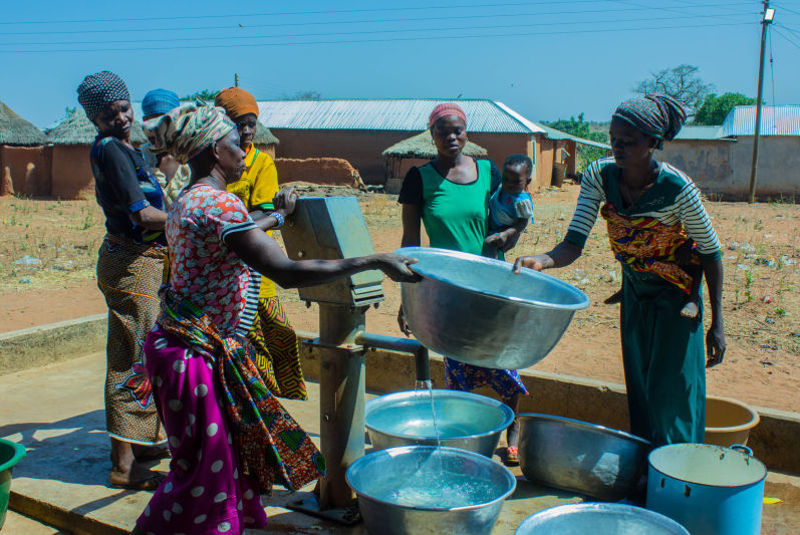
10 454
728 421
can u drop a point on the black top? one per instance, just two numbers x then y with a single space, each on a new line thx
411 190
124 185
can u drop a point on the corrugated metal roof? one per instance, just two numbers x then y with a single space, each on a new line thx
701 132
775 121
552 133
410 115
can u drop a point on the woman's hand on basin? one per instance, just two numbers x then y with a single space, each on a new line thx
396 267
285 201
401 322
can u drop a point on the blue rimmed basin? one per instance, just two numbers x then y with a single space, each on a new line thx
476 310
425 490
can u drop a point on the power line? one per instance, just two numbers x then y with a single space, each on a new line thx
787 9
787 38
358 41
335 11
331 34
272 24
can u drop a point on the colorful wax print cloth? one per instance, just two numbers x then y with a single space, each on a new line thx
129 276
202 268
466 377
125 185
647 245
277 353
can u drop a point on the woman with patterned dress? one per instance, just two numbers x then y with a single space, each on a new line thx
130 267
272 336
450 197
651 208
229 437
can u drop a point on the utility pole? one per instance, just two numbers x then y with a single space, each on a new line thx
769 14
236 76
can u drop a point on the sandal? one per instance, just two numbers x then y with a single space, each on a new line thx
512 456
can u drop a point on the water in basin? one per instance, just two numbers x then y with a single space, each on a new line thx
430 487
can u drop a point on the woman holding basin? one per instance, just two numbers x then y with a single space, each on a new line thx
229 437
450 196
651 208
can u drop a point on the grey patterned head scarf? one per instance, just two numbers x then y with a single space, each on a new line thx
99 90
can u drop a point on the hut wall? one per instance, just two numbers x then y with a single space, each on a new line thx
500 146
29 168
334 171
72 172
269 149
545 156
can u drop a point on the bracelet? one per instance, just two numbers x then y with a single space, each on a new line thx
279 217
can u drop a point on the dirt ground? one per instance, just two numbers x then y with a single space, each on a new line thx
761 299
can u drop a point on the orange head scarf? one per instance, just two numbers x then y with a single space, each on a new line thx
237 102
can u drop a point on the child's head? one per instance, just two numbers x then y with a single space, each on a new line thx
517 170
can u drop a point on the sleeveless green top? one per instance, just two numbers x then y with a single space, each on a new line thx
456 215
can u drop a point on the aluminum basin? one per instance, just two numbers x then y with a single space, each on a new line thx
605 518
476 310
581 457
420 490
464 420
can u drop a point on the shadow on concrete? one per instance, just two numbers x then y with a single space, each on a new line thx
527 489
74 450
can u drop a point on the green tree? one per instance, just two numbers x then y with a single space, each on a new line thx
716 108
204 95
681 83
580 128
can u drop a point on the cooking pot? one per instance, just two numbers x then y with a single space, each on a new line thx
710 490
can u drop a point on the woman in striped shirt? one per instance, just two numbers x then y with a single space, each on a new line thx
651 209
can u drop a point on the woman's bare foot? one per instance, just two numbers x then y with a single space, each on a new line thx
137 478
614 299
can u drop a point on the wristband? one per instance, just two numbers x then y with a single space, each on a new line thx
279 217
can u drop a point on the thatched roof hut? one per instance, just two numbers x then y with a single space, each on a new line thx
77 129
421 147
264 136
16 131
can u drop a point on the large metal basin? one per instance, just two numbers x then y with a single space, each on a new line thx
420 490
581 457
600 518
464 420
476 310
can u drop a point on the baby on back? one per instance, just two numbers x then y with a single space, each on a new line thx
510 207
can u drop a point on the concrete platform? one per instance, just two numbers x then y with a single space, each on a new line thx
57 412
17 524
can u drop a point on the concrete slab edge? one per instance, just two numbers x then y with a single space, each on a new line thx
46 344
60 518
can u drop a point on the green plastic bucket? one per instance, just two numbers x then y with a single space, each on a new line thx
10 454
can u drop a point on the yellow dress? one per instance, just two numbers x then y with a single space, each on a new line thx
274 339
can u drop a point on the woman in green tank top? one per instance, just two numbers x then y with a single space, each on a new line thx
450 197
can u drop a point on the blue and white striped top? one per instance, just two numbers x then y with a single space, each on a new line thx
673 198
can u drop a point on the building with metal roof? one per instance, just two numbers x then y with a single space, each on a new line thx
359 130
719 158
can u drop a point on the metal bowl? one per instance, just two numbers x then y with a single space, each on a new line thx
476 310
464 420
605 518
581 457
421 490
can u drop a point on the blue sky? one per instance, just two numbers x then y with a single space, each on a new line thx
546 59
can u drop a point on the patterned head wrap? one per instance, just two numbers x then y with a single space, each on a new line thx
99 90
159 102
445 109
237 102
658 116
187 131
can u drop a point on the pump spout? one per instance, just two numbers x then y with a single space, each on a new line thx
405 345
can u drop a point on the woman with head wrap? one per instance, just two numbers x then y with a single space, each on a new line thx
171 175
272 336
229 437
129 271
450 196
651 208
